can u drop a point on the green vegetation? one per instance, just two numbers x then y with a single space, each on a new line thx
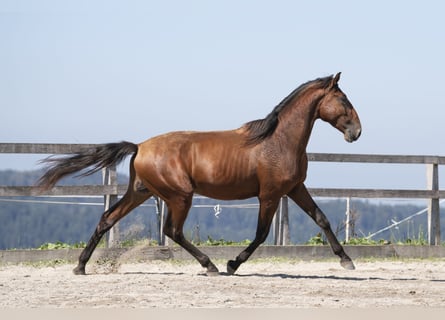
127 243
365 242
222 242
317 240
61 245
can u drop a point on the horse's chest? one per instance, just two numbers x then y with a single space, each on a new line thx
291 170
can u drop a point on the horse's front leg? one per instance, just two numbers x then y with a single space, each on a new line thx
265 216
302 197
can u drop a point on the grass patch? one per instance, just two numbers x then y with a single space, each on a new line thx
61 245
221 242
128 243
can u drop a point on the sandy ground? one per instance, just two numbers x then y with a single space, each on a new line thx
258 283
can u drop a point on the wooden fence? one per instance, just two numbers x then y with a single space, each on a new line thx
110 189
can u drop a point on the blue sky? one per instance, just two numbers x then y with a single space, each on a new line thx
104 71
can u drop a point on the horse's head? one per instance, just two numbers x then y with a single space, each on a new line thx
336 109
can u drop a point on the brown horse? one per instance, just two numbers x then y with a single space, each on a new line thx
264 158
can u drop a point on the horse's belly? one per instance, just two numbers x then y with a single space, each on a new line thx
227 192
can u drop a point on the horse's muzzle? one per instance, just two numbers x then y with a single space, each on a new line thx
352 133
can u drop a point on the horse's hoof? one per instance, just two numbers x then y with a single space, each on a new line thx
347 264
79 271
211 268
212 273
232 265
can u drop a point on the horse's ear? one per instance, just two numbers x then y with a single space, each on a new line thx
337 77
335 80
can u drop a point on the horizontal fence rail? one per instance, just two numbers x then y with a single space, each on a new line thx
64 148
45 148
375 158
111 189
99 190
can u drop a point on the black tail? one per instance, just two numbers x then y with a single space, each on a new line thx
102 156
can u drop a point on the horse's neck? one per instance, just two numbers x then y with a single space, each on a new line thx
296 126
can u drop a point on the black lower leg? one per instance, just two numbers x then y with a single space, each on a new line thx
233 265
178 208
208 264
202 258
88 251
266 213
302 197
337 248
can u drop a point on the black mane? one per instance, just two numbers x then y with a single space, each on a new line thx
259 130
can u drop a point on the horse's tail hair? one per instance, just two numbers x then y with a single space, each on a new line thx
95 159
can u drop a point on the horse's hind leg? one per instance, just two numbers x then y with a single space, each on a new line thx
136 194
302 197
177 213
129 201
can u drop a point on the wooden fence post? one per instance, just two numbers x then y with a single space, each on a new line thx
109 177
160 211
281 223
285 221
348 219
277 226
433 205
